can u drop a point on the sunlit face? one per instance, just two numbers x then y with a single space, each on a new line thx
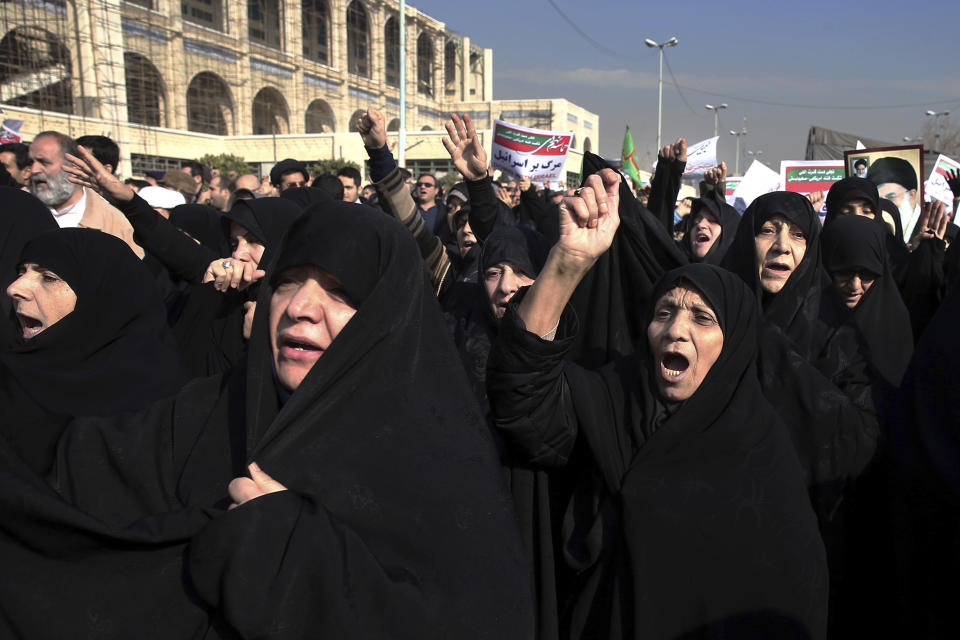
853 284
466 240
858 207
501 281
426 190
349 188
9 160
685 342
292 180
40 298
704 231
308 310
48 180
246 246
780 246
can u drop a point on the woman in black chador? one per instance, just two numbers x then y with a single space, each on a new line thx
696 522
384 512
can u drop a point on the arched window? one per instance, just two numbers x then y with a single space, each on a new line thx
146 97
263 18
270 113
209 105
358 40
587 145
426 127
319 118
451 68
354 117
208 13
424 65
394 125
391 46
316 31
35 70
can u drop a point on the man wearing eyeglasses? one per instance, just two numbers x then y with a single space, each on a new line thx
425 195
289 174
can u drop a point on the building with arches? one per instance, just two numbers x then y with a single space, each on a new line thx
263 79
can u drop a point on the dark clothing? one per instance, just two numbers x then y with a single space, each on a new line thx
487 211
723 214
664 188
395 523
853 243
431 217
22 218
113 353
648 566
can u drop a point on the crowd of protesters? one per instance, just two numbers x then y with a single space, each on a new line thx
302 406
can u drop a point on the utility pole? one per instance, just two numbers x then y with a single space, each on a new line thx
669 43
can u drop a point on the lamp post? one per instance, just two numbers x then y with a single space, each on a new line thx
739 135
936 126
669 43
716 115
755 154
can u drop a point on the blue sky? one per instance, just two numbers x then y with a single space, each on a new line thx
875 54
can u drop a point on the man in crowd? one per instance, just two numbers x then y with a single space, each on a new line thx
425 196
200 174
178 180
71 204
289 174
105 150
15 157
221 188
351 180
896 181
248 181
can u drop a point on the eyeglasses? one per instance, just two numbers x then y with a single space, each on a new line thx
293 185
427 184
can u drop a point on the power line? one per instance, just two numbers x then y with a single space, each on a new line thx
682 97
583 34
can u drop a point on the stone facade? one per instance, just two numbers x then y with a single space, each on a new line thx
263 79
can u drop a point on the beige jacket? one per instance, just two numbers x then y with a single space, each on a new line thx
100 214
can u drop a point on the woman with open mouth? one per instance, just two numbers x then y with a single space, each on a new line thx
339 484
813 363
94 340
676 435
711 227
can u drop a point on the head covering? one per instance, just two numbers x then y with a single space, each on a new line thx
459 190
725 215
855 242
203 223
288 165
893 170
306 196
795 308
853 188
891 210
112 353
22 218
179 180
161 197
637 542
518 246
389 388
265 218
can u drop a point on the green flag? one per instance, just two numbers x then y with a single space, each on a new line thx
628 159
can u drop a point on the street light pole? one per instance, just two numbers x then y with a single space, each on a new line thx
716 115
739 135
936 126
669 43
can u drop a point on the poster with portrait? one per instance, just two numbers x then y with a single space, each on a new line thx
898 174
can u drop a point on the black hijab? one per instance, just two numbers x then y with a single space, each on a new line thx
22 218
112 353
384 439
853 242
728 219
852 188
203 223
396 523
656 570
265 218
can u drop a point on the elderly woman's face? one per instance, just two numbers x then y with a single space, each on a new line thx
501 281
246 246
40 298
780 246
685 342
307 311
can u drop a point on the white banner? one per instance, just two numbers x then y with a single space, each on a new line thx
702 156
533 153
758 180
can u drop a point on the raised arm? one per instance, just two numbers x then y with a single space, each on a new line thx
665 184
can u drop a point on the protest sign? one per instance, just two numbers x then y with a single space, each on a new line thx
758 180
533 153
701 156
936 185
10 131
807 176
897 172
